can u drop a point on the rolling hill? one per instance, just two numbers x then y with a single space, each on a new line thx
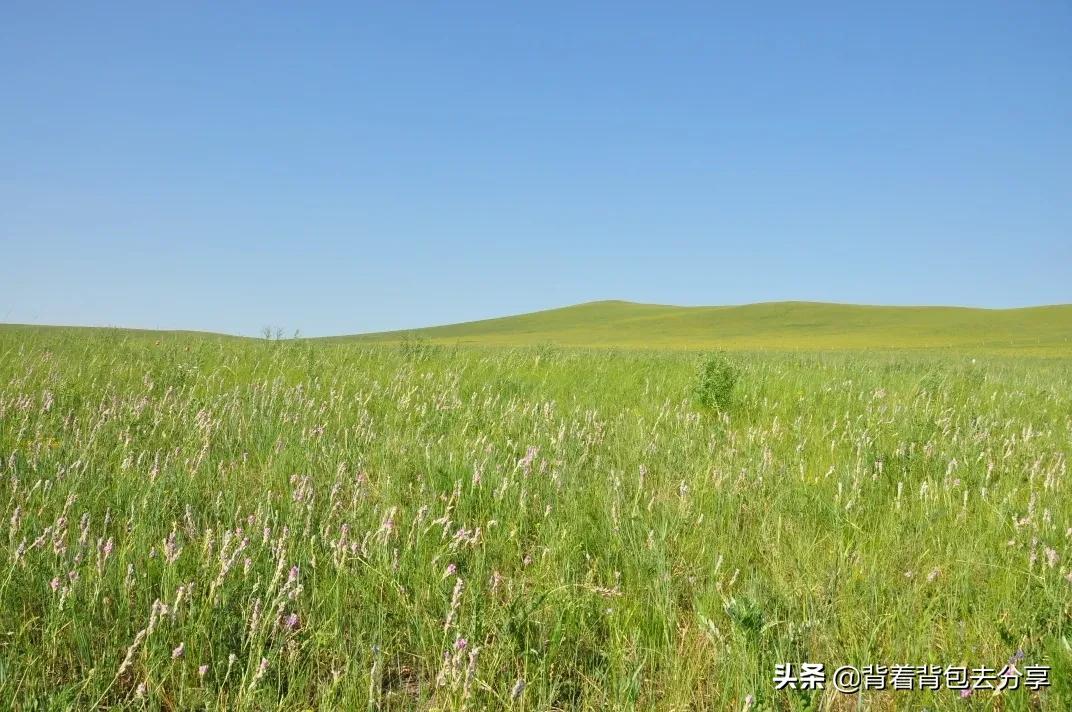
782 326
775 325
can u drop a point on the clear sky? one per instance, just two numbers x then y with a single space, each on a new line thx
347 167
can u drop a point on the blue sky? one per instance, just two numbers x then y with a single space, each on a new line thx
338 168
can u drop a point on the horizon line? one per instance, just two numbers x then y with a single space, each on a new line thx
741 305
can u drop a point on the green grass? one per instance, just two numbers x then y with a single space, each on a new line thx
780 325
618 546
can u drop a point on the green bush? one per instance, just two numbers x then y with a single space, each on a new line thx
717 378
415 347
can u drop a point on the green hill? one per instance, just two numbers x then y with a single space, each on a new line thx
776 325
807 326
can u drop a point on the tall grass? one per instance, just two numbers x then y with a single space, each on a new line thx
197 523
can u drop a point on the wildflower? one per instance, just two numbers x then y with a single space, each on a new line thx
171 548
935 573
159 610
178 651
202 670
1051 557
450 570
1010 669
525 463
966 693
293 577
388 525
470 671
129 659
83 527
455 603
291 622
261 669
55 583
461 644
519 687
180 593
140 692
255 616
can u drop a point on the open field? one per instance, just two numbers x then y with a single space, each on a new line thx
193 521
774 325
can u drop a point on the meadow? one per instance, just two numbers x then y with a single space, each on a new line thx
194 522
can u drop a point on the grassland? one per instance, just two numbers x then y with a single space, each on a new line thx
777 325
195 522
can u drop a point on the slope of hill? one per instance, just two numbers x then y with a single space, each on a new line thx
776 325
785 326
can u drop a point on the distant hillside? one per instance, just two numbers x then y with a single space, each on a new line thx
31 332
783 326
776 325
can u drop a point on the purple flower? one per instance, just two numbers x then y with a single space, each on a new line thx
178 651
525 463
171 548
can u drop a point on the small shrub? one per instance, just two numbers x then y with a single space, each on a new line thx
932 382
746 614
717 378
415 347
